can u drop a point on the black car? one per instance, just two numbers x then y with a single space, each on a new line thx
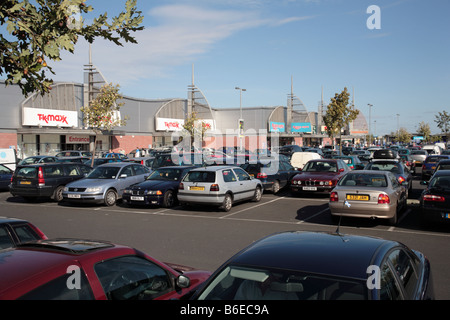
16 231
396 167
5 177
435 199
45 180
274 175
37 159
321 266
160 188
288 150
442 165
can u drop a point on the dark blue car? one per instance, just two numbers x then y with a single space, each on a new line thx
160 188
5 177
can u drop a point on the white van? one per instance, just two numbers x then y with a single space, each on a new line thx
299 159
8 158
432 149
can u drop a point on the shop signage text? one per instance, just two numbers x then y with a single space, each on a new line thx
49 118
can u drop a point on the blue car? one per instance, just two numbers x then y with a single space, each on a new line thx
160 188
5 177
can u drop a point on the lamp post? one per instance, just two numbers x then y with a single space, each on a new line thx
370 121
241 120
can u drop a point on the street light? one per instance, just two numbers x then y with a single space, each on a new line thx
370 121
241 120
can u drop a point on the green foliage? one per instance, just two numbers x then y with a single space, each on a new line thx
443 121
194 126
39 30
424 130
339 114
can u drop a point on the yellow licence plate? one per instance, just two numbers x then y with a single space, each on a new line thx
358 197
25 182
197 188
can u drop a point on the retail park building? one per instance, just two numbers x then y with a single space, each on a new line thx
47 124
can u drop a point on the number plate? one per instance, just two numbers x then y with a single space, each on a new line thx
197 188
137 198
358 197
74 196
25 182
310 188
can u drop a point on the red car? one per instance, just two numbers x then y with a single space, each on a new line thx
72 269
15 231
319 176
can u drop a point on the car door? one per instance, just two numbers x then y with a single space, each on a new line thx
125 179
245 186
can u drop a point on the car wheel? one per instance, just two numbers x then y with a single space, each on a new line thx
57 194
393 220
276 186
227 203
110 198
258 194
169 199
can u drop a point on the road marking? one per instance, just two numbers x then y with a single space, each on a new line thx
401 219
258 205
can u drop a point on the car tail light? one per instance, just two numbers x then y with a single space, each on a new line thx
401 179
181 186
261 175
383 199
41 180
334 196
142 162
431 197
214 187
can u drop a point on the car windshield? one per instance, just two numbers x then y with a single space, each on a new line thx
165 174
385 166
200 176
104 173
249 283
423 153
434 159
320 166
30 160
442 182
364 179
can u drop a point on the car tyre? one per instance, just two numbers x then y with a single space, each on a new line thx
169 199
110 198
276 187
394 219
227 203
57 194
258 194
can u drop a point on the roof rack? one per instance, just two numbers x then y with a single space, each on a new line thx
76 246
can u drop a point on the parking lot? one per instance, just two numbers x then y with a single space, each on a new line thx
205 237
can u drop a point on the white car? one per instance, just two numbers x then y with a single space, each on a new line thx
219 186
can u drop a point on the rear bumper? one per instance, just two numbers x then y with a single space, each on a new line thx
435 214
39 192
216 199
382 211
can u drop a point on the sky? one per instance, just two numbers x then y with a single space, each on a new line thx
401 67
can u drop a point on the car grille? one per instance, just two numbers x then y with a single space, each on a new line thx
137 192
77 189
310 183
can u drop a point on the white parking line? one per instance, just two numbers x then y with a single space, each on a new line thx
252 207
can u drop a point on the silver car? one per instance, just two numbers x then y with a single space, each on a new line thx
105 184
220 186
369 194
418 157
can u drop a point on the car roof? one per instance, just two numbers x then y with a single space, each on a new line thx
441 173
315 252
214 168
11 220
118 164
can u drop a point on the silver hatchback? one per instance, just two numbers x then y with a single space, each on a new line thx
219 186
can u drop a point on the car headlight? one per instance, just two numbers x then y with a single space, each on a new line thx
66 189
94 189
153 192
127 191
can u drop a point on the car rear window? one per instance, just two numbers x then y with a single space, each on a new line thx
27 173
364 179
200 176
434 159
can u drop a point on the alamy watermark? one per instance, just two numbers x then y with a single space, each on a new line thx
374 21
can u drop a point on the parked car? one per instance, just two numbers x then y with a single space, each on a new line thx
99 161
45 180
319 176
115 155
347 150
73 153
15 231
37 159
299 159
274 175
73 159
219 186
160 188
5 177
369 194
435 199
288 150
102 271
442 165
352 162
145 161
106 183
430 164
394 166
321 266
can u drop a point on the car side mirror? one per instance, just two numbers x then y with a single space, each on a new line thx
341 170
183 281
123 176
423 183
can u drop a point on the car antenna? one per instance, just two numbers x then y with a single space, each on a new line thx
340 218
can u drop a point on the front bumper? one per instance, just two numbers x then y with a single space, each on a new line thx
143 199
83 197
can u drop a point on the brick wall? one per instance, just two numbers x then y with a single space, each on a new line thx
129 143
8 139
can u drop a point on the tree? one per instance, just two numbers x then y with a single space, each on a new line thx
403 135
194 126
424 130
443 121
339 114
102 114
39 30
